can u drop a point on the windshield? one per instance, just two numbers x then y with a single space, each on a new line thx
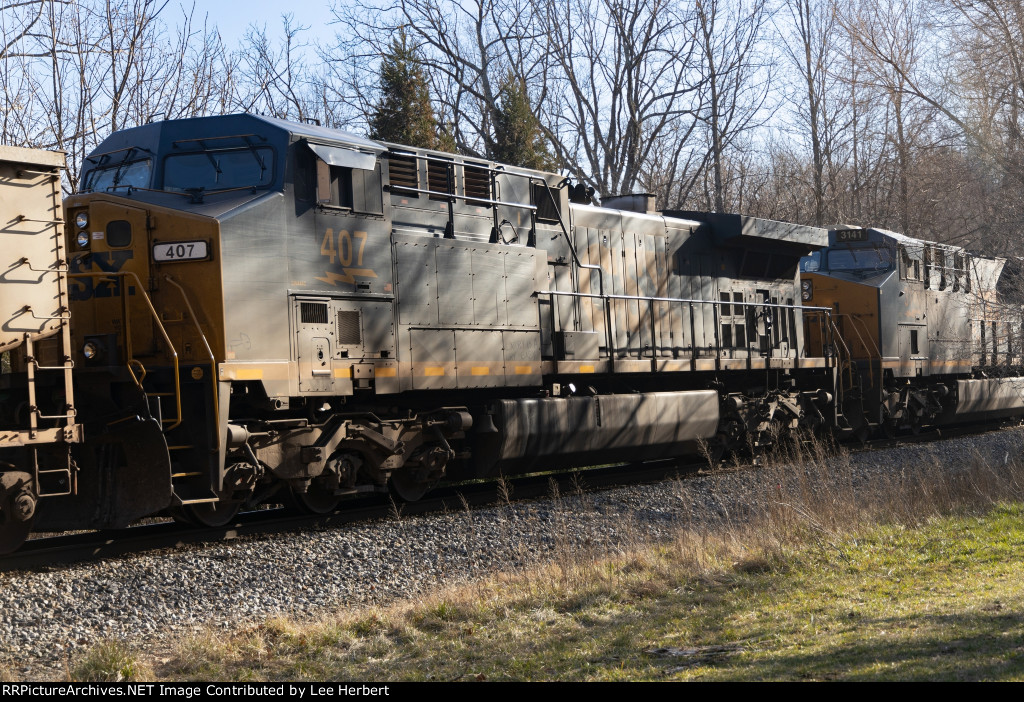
860 259
811 262
135 174
219 169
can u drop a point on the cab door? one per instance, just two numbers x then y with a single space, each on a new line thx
119 243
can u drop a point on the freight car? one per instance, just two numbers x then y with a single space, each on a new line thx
266 311
38 424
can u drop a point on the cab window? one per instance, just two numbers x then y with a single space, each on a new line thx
353 189
219 169
134 174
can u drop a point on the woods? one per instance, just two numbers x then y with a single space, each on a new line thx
903 114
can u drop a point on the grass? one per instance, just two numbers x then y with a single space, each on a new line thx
819 574
110 661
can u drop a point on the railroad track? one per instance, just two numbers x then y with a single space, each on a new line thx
65 549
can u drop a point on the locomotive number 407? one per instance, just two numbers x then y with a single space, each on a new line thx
170 251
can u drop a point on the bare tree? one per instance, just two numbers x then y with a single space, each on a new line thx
737 75
623 84
810 42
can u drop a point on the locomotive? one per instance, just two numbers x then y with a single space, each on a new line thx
251 310
929 333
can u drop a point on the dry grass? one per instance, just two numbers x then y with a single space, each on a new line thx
111 661
591 608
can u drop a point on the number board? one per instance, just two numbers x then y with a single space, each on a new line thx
172 251
846 235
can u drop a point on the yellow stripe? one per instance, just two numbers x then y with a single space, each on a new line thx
433 370
524 370
386 372
343 372
480 370
586 369
249 374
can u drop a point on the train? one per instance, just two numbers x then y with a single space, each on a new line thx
241 310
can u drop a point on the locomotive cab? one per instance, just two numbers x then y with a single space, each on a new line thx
919 324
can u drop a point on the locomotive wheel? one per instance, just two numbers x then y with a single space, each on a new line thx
890 428
17 512
12 533
316 500
207 514
406 487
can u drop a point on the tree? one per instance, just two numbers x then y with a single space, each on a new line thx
518 140
403 113
810 46
737 79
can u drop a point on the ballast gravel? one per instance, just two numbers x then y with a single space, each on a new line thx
48 618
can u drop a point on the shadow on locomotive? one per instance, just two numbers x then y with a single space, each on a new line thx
238 310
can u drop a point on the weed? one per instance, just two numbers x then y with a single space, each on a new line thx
110 661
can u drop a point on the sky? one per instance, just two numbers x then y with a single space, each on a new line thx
232 18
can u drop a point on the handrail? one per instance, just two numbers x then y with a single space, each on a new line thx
127 328
612 296
716 304
853 323
849 356
206 345
572 248
399 189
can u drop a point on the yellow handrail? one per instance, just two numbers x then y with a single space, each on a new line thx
853 324
127 329
206 345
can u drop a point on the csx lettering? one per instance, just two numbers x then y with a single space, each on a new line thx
342 249
110 262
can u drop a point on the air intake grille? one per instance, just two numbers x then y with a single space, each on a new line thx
349 332
402 172
314 313
438 180
477 183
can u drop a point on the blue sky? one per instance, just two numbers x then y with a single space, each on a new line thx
232 18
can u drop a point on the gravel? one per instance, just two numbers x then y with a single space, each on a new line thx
46 618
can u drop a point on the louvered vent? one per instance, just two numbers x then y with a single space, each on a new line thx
437 179
402 172
547 202
477 182
349 331
314 312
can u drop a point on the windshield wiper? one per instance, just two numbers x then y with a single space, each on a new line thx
259 160
216 166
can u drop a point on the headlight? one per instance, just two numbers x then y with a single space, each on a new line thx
82 240
805 284
82 220
806 295
90 350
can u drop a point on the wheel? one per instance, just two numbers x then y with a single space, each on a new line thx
890 429
12 533
206 514
406 487
318 499
16 516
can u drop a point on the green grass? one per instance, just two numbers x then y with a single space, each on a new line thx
937 602
818 574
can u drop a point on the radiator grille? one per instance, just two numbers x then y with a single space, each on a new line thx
477 184
438 179
349 331
402 172
314 312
